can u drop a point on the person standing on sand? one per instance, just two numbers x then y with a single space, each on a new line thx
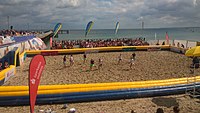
84 58
64 60
133 56
71 60
120 58
91 64
131 62
100 64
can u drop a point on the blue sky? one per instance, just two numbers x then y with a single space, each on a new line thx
75 14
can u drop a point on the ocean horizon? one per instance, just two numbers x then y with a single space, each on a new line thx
184 33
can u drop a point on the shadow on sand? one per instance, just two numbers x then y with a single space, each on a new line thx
61 68
166 102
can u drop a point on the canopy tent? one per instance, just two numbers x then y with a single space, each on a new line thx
195 51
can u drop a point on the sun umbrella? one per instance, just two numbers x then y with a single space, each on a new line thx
195 51
190 52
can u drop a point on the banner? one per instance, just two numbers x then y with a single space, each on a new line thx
167 38
35 70
49 53
36 44
50 42
129 49
153 48
88 27
116 28
178 50
91 51
56 29
9 73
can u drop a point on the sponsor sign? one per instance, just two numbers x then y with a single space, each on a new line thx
153 48
22 58
49 53
129 49
35 70
41 43
91 51
9 73
36 44
177 50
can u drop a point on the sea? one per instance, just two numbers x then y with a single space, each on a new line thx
188 33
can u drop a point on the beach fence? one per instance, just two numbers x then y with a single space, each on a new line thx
12 59
159 42
176 43
186 43
72 93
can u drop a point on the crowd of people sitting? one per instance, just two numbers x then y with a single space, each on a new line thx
5 34
16 33
91 43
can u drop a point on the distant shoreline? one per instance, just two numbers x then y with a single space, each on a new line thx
192 34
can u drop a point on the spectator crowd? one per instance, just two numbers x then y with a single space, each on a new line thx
91 43
17 33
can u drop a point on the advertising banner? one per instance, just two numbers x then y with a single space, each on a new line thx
49 53
91 51
9 73
154 48
35 70
129 49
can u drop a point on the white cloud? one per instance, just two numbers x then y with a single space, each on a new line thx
67 3
140 18
194 2
169 19
74 14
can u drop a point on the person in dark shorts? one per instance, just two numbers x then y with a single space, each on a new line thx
195 63
64 60
133 55
100 64
120 58
91 64
84 58
131 62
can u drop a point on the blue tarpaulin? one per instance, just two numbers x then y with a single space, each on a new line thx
22 38
17 39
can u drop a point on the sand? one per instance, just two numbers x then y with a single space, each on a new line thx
148 66
152 65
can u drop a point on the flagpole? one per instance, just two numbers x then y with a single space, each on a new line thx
142 28
167 38
8 22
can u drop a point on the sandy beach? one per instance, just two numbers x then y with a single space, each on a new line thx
153 65
148 66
